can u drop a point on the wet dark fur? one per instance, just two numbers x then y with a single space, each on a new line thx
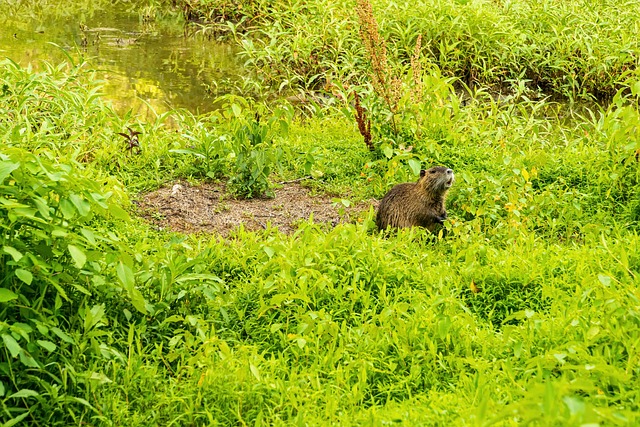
418 203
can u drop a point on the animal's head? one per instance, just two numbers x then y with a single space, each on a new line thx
437 179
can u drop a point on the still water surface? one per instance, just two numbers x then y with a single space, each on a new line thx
143 65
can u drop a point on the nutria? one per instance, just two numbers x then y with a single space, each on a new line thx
418 203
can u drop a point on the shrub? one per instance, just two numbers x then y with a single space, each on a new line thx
59 266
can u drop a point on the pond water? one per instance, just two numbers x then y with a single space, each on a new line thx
145 66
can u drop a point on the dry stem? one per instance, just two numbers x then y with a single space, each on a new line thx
364 123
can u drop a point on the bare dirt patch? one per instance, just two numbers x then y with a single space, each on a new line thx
208 208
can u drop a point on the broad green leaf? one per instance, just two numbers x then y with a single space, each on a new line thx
81 204
100 377
237 110
59 232
444 326
125 274
118 212
22 329
1 389
388 152
316 173
54 176
43 207
344 202
16 420
61 291
576 405
414 164
88 234
82 402
93 316
254 371
6 168
67 209
15 254
604 279
78 256
284 128
27 360
100 198
224 349
12 204
269 251
275 327
63 335
517 349
82 288
560 357
174 318
12 345
6 295
26 213
24 275
47 345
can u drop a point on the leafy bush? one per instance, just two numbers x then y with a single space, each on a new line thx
63 275
256 155
210 149
238 142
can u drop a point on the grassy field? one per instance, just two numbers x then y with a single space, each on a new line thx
526 311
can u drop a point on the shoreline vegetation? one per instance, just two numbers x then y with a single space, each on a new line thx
576 50
525 312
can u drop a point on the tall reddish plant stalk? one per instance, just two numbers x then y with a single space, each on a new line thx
364 123
385 84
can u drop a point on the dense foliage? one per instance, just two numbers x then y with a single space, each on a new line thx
576 49
527 312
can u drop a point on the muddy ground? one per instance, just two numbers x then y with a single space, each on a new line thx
209 208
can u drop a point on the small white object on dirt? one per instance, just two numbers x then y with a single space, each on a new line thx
209 208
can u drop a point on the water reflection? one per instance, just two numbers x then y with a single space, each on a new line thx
143 65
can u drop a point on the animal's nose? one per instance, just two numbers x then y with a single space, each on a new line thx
449 171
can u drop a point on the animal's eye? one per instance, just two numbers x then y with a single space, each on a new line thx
432 172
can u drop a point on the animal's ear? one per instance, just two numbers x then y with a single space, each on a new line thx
423 173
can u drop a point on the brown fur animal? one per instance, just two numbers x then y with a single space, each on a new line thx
418 203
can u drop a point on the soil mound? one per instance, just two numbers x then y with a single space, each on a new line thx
208 208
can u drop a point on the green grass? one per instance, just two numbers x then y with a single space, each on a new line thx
575 50
526 313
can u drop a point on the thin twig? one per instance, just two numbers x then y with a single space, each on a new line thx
296 180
